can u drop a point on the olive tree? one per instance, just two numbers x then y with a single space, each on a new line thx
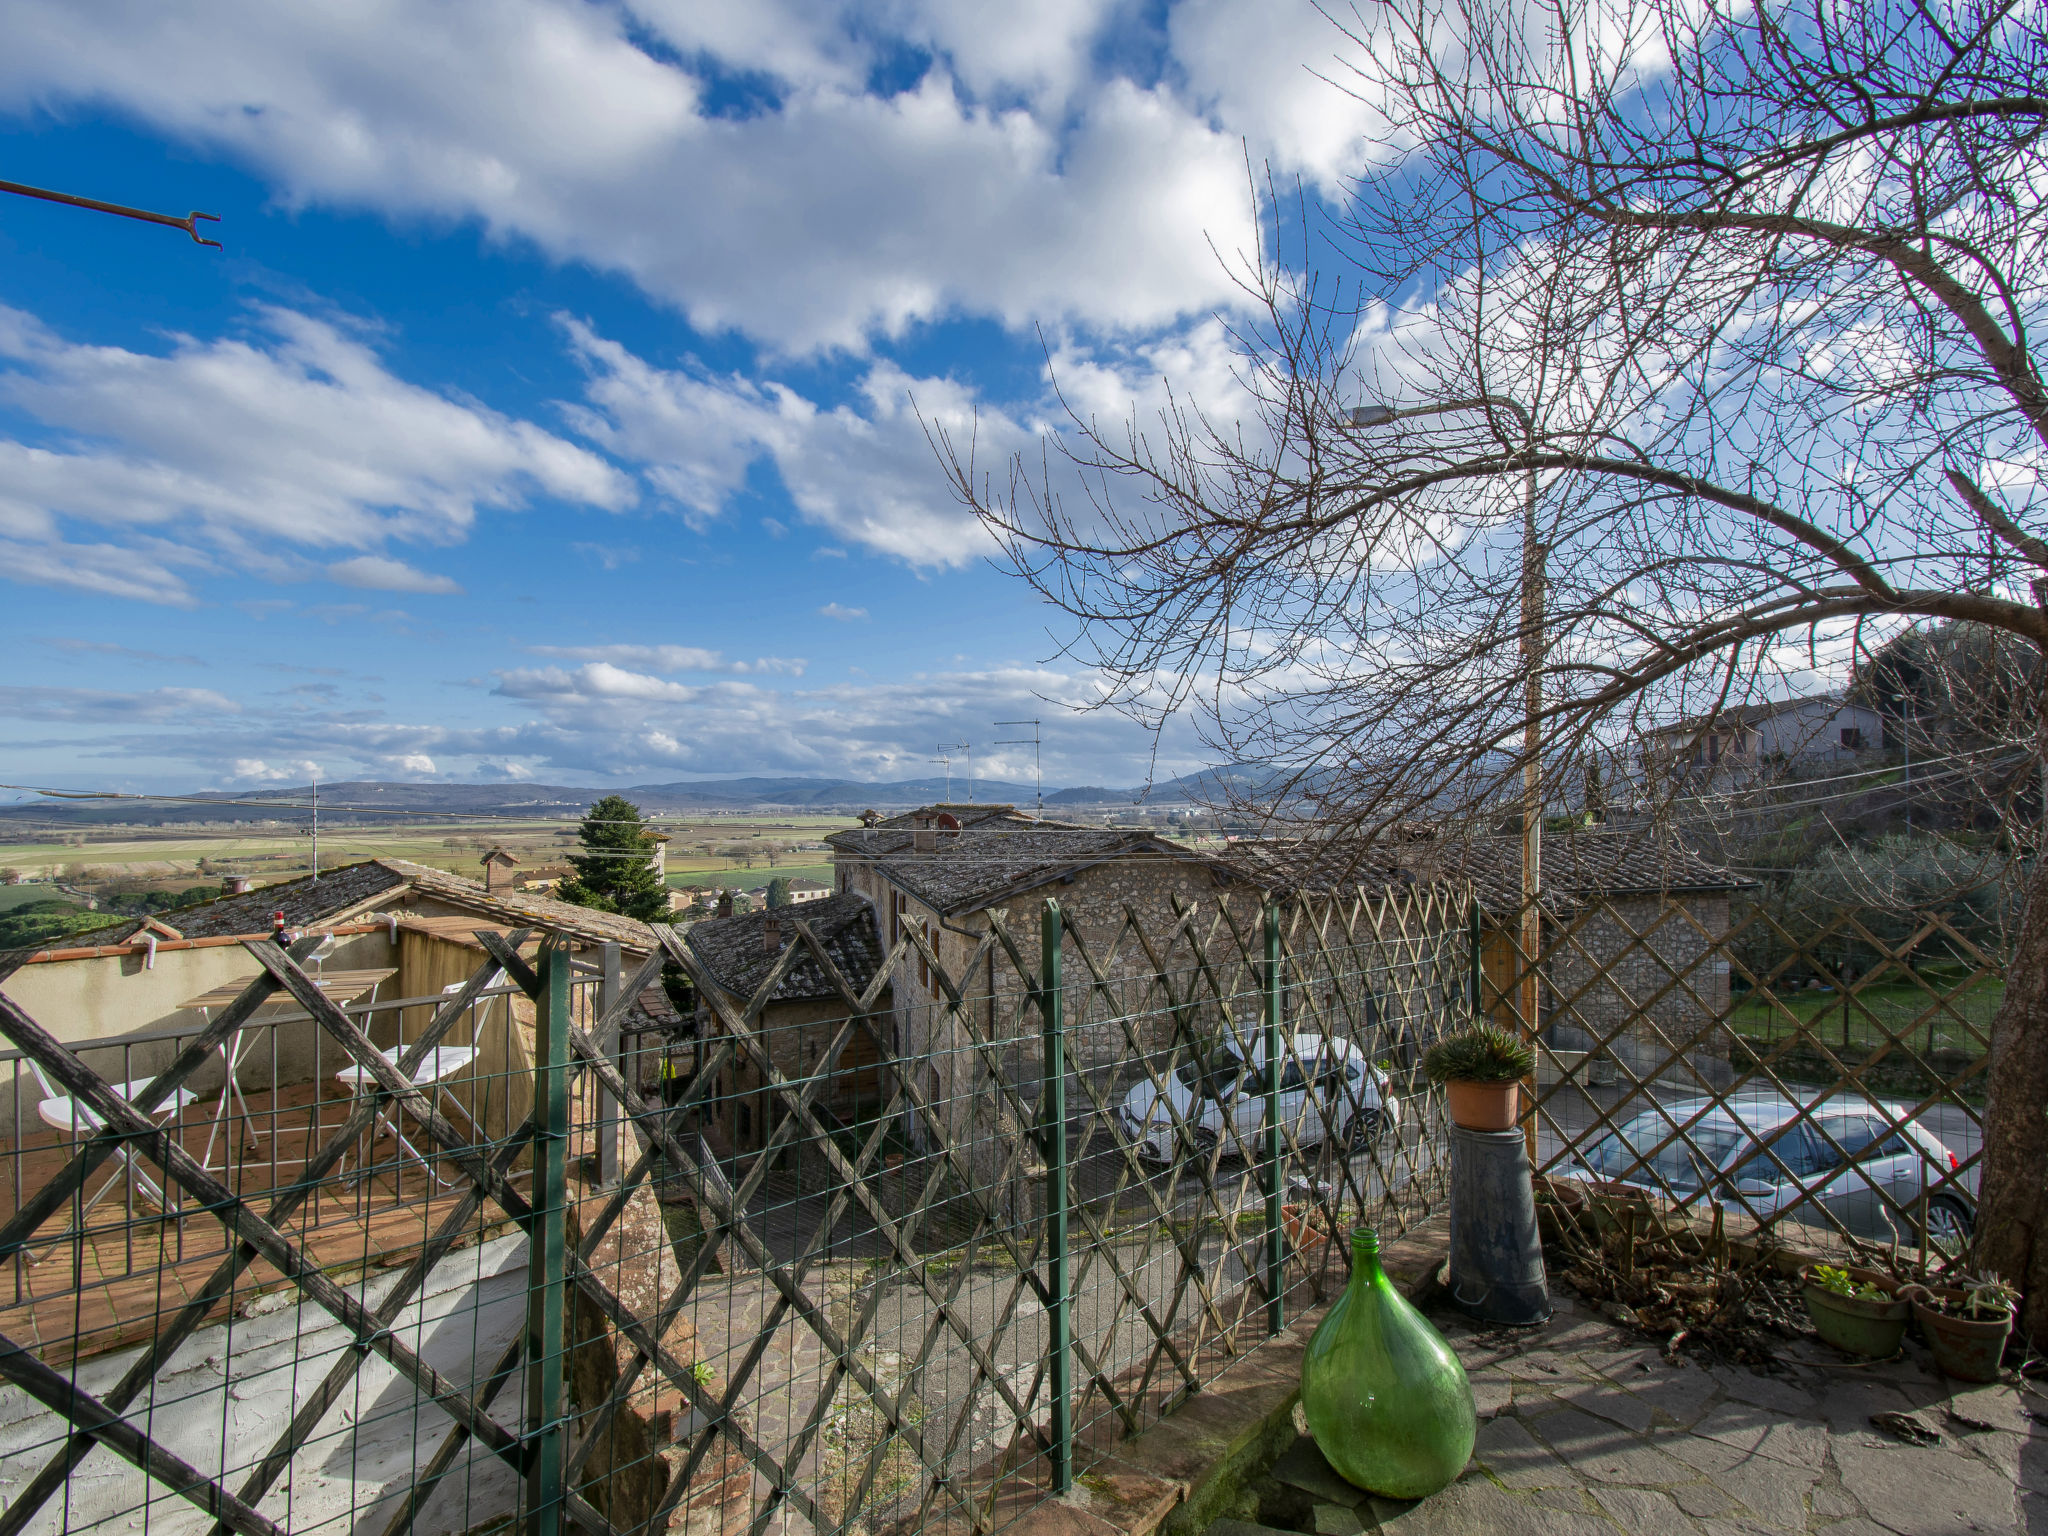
1657 351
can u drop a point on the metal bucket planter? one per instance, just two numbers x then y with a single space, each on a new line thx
1967 1348
1855 1325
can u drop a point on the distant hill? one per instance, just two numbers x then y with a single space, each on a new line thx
369 799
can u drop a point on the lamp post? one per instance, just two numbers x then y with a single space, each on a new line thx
1534 556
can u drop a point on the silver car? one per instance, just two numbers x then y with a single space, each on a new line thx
1328 1091
1757 1147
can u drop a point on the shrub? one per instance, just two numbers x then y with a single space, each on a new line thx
1484 1053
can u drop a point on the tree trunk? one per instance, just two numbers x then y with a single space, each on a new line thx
2012 1214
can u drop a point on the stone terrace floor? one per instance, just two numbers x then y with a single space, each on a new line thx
1585 1430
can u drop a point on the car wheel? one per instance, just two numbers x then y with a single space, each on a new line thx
1364 1129
1948 1223
1202 1141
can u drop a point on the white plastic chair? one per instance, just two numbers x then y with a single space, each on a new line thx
78 1120
432 1073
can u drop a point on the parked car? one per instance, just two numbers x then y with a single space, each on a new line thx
1328 1090
1757 1147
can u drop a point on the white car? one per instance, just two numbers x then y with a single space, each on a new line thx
1328 1091
1757 1146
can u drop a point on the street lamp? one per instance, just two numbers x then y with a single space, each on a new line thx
1534 555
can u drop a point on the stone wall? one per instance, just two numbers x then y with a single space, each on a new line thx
1646 975
1380 985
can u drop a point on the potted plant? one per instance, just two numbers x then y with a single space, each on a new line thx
1481 1068
1856 1310
1966 1325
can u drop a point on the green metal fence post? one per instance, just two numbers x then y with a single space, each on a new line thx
1053 1115
547 1294
1276 1247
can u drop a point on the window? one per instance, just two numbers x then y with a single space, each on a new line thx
1852 737
1802 1154
1676 1166
1216 1079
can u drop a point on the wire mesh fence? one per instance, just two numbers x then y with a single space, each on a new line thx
1821 1081
822 1257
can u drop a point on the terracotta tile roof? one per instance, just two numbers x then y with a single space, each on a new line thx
993 855
1583 864
1575 865
354 889
526 909
734 949
306 903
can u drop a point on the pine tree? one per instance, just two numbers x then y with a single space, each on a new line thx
778 893
616 870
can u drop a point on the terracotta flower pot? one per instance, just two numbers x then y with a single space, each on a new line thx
1967 1348
1483 1106
1305 1227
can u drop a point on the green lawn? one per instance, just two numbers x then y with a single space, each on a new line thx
749 879
1887 1011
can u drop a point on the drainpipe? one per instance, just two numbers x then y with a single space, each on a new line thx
148 941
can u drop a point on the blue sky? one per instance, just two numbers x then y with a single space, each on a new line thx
548 413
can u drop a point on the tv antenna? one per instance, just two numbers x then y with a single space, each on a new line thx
1037 771
946 749
189 223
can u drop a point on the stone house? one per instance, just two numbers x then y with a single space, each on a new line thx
800 1018
945 873
1635 967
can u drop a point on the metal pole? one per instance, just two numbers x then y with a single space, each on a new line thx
1276 1249
608 1122
547 1292
1533 554
1475 929
1053 1115
316 831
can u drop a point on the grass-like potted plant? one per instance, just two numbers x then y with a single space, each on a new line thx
1965 1325
1481 1068
1856 1310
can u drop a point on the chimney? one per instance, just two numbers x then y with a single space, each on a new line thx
924 837
235 885
771 935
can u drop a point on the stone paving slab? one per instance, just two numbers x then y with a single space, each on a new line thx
1601 1434
1588 1430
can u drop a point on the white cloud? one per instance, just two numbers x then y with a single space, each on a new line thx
235 453
380 573
103 707
610 723
1273 73
256 770
624 725
672 658
1020 178
844 615
864 472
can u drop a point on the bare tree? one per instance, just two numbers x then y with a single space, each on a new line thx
1670 349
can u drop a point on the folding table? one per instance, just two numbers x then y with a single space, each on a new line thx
342 987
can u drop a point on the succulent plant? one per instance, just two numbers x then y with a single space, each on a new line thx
1482 1053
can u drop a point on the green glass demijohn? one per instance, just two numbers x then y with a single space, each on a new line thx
1386 1398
